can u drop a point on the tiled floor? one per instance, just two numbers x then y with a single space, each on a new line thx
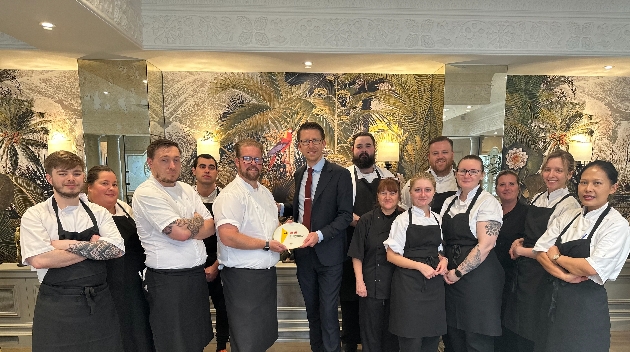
620 342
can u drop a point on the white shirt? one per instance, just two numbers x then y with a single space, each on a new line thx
211 197
610 243
548 200
317 171
120 205
254 212
443 184
487 208
368 177
398 233
156 207
38 227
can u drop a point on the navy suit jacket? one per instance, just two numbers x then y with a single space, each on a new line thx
331 212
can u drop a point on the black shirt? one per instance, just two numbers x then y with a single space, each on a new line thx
367 245
513 227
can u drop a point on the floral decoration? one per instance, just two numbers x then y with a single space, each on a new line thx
516 158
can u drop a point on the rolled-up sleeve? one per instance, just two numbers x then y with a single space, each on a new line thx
228 209
610 251
398 234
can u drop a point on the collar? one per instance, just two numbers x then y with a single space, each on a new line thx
319 166
557 194
419 212
470 195
594 214
247 186
376 172
440 179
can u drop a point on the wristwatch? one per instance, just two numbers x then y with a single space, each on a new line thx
458 273
555 258
266 246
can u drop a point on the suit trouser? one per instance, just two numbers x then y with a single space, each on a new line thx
320 287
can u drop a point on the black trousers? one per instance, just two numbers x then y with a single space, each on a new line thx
215 289
374 320
420 344
464 341
350 328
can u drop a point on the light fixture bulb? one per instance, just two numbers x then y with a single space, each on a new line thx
469 107
47 25
105 93
607 67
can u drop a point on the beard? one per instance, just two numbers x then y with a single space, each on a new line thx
364 160
166 179
66 194
251 173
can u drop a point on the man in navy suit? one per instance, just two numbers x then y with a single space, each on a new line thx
326 212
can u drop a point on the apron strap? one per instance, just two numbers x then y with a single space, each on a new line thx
87 210
560 201
535 199
474 200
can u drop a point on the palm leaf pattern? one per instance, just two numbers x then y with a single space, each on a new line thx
8 249
26 194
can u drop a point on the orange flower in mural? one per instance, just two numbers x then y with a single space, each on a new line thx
516 158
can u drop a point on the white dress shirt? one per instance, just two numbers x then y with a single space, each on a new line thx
398 233
548 200
443 184
254 212
368 177
317 171
487 208
156 207
38 227
610 243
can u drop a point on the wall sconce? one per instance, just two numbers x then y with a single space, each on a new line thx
58 141
208 145
388 152
581 147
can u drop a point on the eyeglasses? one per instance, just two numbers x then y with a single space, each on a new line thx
251 159
306 142
471 172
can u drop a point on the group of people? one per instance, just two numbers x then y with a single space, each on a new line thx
440 258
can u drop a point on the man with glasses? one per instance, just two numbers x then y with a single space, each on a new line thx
172 223
366 177
322 203
246 217
441 167
205 171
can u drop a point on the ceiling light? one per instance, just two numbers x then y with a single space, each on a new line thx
145 81
469 107
105 93
495 132
308 64
47 25
608 67
445 109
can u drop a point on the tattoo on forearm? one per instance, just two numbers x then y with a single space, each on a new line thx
493 228
472 261
193 224
99 250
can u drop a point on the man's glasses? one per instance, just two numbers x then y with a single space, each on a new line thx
306 142
471 172
251 159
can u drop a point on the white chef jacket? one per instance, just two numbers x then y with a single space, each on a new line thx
487 208
398 233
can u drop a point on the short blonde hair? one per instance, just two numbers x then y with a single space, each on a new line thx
424 175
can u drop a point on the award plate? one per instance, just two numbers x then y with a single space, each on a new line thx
291 234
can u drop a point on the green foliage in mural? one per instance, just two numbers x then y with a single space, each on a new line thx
22 133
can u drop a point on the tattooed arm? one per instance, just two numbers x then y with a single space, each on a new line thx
97 250
487 232
193 228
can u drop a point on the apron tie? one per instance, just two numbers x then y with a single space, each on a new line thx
554 297
457 251
430 261
515 278
89 294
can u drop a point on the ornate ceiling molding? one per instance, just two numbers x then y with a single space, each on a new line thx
8 42
124 15
401 30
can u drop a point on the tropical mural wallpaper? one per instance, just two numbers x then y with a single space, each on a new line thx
271 106
32 104
544 113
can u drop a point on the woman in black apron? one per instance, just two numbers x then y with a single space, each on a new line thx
471 221
524 299
418 315
582 250
373 271
123 274
514 214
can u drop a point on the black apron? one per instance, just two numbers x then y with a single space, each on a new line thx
211 242
439 199
417 303
364 201
123 278
474 302
521 314
575 317
74 309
